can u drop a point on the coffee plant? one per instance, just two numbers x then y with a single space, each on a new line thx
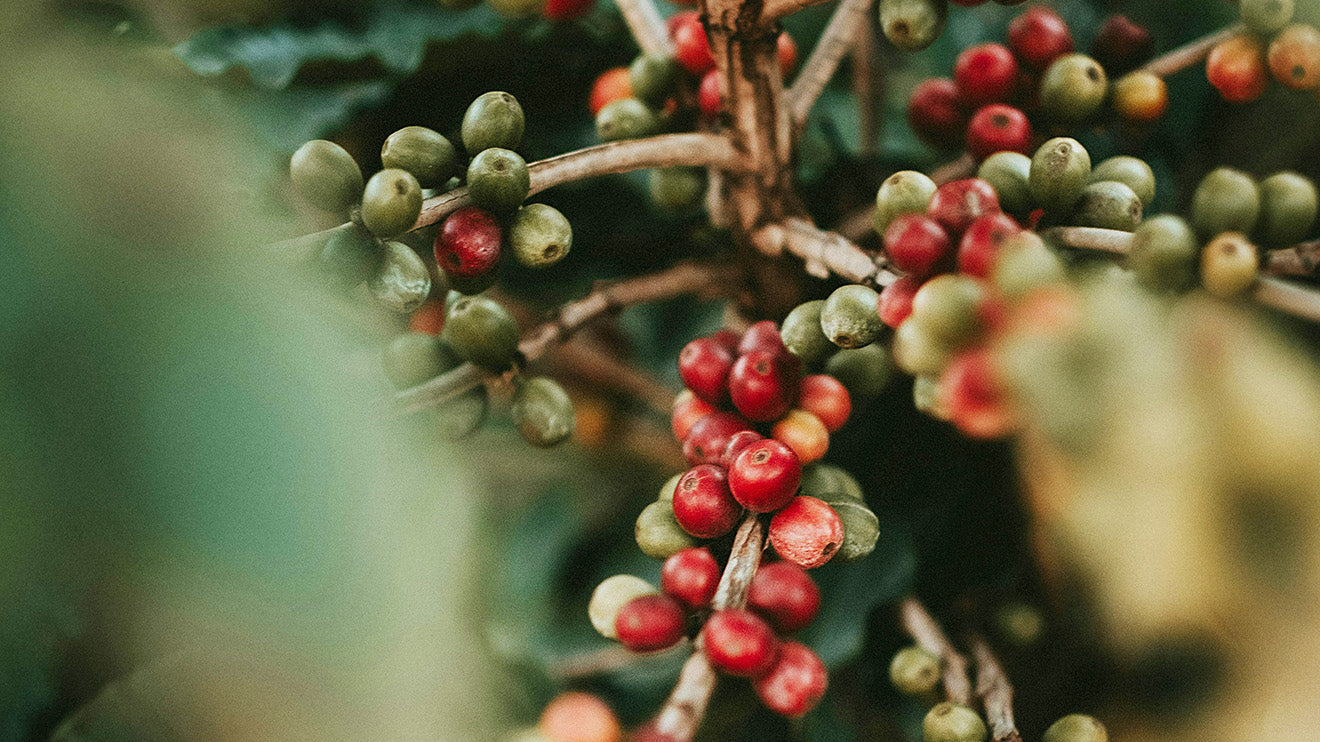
604 370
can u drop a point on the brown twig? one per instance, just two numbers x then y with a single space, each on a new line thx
781 8
823 253
963 167
866 86
849 19
995 691
1112 241
646 26
1190 54
1302 260
926 632
592 363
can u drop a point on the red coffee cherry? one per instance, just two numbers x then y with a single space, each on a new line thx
986 73
937 114
468 244
704 365
709 436
649 623
739 642
691 49
796 682
763 385
579 717
679 18
786 51
688 409
727 338
956 205
763 336
709 99
737 443
703 505
785 595
806 532
613 84
980 243
998 128
1236 68
691 577
1294 57
804 433
917 244
429 318
1039 36
1121 45
974 396
827 398
765 476
896 299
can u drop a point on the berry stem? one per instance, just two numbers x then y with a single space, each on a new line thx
596 365
850 19
1287 297
963 167
1191 53
823 252
995 691
646 26
775 9
1302 260
926 632
868 85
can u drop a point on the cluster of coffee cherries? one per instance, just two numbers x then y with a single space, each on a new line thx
995 87
1240 67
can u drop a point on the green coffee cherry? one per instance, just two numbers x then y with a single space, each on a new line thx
1073 88
1025 264
658 534
483 332
951 722
1287 209
831 484
667 490
401 282
326 175
1060 170
494 119
904 192
913 25
1226 200
861 530
850 317
918 351
802 334
612 594
1108 204
540 235
863 371
423 152
1076 728
1265 17
1163 253
628 118
1229 265
1130 171
914 671
543 411
652 77
677 190
463 415
948 307
391 202
348 257
416 357
1009 173
498 180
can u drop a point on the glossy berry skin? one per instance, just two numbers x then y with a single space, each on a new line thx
952 722
688 409
1121 45
391 201
1236 68
980 243
703 505
998 128
468 245
1073 88
785 595
956 205
1076 728
704 366
326 175
914 671
806 532
740 642
613 84
1039 36
1140 96
763 385
896 300
765 476
649 623
494 119
804 433
709 436
762 336
691 576
1294 57
737 442
498 180
917 244
985 74
796 682
827 398
690 46
974 396
937 114
709 99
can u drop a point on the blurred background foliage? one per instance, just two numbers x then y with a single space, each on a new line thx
209 531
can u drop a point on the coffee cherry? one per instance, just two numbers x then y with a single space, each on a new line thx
802 335
667 489
1226 200
691 576
1236 68
949 307
998 128
850 317
493 120
916 244
737 442
864 371
429 318
904 192
1141 97
1060 170
1163 253
1229 265
540 235
704 366
1025 264
677 190
413 357
804 433
658 533
423 152
578 717
730 339
649 623
703 505
1130 171
482 332
1073 88
612 594
936 112
1108 204
763 385
1019 623
1007 174
468 244
709 98
613 84
919 351
986 73
796 682
912 25
827 398
831 484
806 532
765 476
1121 45
739 642
1039 36
688 409
1294 57
348 257
975 397
709 436
401 282
391 202
1266 16
691 48
896 300
542 411
956 205
786 53
1288 204
914 671
951 722
628 118
498 180
652 78
326 175
1076 728
762 336
785 595
980 243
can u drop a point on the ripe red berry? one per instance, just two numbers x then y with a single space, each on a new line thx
916 244
709 99
785 595
740 642
998 128
1121 45
974 397
703 505
763 385
1294 57
737 443
763 335
691 577
806 532
1236 68
704 365
986 73
980 243
956 205
727 338
709 436
691 49
649 623
688 409
765 476
468 245
804 433
429 318
936 113
679 18
566 10
1039 36
613 84
896 300
786 50
827 398
796 682
581 717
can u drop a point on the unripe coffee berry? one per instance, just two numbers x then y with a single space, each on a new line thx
1226 200
391 202
904 192
709 437
850 317
1108 204
763 385
543 412
658 533
703 504
765 476
831 484
691 576
540 235
804 433
649 623
704 366
1073 88
1163 253
806 532
739 642
1288 204
612 594
912 25
796 682
425 153
802 335
1076 728
785 595
494 119
326 175
468 244
498 180
864 371
1229 265
1060 170
414 357
1008 173
482 331
1130 171
401 282
952 722
914 671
